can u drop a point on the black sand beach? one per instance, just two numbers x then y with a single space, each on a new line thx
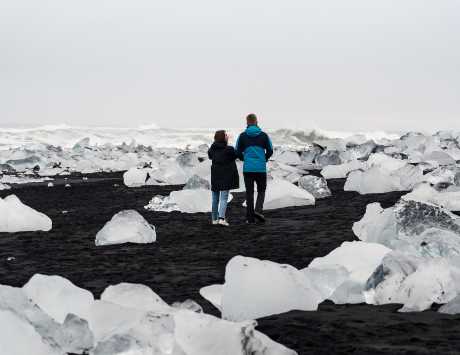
190 254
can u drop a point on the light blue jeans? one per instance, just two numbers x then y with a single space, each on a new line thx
219 204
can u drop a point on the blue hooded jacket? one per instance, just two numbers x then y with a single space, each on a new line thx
254 147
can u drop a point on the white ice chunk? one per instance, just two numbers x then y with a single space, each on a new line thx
359 258
18 217
58 296
73 336
197 182
450 200
317 186
135 177
327 279
135 296
127 226
282 193
249 291
18 337
187 201
452 307
201 334
341 171
213 294
417 228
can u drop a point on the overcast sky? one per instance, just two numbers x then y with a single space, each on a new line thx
332 64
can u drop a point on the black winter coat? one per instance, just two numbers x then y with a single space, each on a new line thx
224 173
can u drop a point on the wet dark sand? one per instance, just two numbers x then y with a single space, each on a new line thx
190 254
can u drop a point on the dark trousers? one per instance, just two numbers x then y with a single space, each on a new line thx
261 180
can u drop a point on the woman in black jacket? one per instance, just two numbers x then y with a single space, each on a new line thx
224 176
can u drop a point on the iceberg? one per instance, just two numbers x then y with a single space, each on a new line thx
135 296
58 297
186 201
127 226
315 185
287 157
449 200
197 182
213 294
353 263
417 228
380 180
18 337
432 281
26 319
360 259
281 193
328 157
451 307
18 217
135 177
249 292
342 170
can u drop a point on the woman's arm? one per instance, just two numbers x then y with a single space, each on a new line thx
232 153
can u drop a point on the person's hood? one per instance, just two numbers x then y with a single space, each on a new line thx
253 131
219 145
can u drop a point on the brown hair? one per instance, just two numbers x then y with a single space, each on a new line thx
219 137
251 119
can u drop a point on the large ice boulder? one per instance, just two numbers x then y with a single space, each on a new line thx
201 334
135 296
378 179
441 176
171 172
328 157
287 157
21 319
186 201
359 260
117 328
309 156
439 156
416 228
18 337
213 294
317 186
18 217
359 151
327 279
122 325
449 200
281 193
58 297
342 170
127 226
136 177
197 182
278 170
451 307
254 289
415 283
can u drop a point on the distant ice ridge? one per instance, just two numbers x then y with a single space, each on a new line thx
57 317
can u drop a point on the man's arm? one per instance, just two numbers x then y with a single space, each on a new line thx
239 148
268 148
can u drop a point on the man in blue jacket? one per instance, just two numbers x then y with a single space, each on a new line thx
254 147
